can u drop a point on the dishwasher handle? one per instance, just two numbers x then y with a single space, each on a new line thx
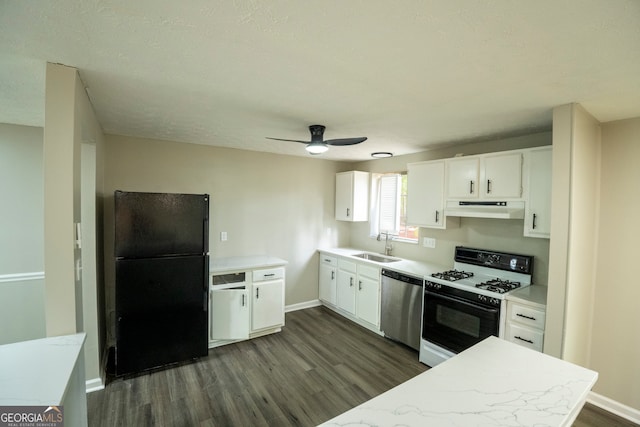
412 280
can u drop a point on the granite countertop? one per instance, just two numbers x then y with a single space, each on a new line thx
494 383
37 372
534 295
239 263
414 268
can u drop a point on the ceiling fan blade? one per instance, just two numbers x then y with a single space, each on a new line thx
346 141
289 140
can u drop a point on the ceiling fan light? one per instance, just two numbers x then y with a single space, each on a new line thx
381 154
317 148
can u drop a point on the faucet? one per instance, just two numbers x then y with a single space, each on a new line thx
388 247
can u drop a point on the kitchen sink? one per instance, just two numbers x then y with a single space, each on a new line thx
376 257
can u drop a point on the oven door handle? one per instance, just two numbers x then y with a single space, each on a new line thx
462 301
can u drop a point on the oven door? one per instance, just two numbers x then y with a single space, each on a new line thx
456 324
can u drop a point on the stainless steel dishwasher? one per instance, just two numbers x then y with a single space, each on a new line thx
401 307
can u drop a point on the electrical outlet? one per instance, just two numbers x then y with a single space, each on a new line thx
223 236
428 242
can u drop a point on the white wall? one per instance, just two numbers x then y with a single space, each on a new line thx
21 234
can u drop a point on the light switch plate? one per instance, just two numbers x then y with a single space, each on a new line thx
223 236
428 242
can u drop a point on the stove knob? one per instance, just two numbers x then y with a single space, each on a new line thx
482 298
495 301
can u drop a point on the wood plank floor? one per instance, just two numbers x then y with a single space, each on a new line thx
319 366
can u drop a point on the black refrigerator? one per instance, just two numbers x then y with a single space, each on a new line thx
161 279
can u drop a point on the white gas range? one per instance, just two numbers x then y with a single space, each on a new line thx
465 305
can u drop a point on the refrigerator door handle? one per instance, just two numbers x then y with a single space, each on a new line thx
206 283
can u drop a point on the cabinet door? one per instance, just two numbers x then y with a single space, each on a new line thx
327 284
537 222
267 305
346 295
368 300
425 190
352 196
344 196
462 177
229 314
502 176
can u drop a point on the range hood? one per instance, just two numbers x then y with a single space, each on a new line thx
482 209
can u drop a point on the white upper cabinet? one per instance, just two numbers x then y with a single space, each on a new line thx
462 177
501 176
537 220
496 176
352 196
425 192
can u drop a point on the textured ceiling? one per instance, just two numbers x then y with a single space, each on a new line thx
409 75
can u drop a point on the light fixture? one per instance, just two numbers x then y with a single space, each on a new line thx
316 147
381 154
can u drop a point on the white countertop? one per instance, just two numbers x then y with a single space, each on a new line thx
534 295
414 268
494 383
37 372
239 263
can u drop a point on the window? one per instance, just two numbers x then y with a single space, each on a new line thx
389 207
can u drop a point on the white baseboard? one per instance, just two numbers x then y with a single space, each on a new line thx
614 407
302 305
20 277
94 384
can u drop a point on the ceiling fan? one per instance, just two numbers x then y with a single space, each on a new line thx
317 145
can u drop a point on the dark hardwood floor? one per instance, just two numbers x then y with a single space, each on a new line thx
319 366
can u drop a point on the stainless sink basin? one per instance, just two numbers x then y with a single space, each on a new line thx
376 257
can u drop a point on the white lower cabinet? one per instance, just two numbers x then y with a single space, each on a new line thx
358 292
346 290
327 280
229 313
525 325
368 295
246 304
267 305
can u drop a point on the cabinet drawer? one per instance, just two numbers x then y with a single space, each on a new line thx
328 260
527 337
346 265
527 316
268 274
370 272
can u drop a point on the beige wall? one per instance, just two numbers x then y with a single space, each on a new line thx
583 236
501 235
61 201
615 341
69 121
268 204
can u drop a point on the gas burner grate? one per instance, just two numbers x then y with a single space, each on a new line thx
498 285
452 275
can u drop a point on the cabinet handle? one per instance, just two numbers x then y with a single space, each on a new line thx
327 260
470 187
333 275
350 281
359 285
243 300
269 275
257 293
526 317
488 186
522 339
347 212
437 216
534 221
